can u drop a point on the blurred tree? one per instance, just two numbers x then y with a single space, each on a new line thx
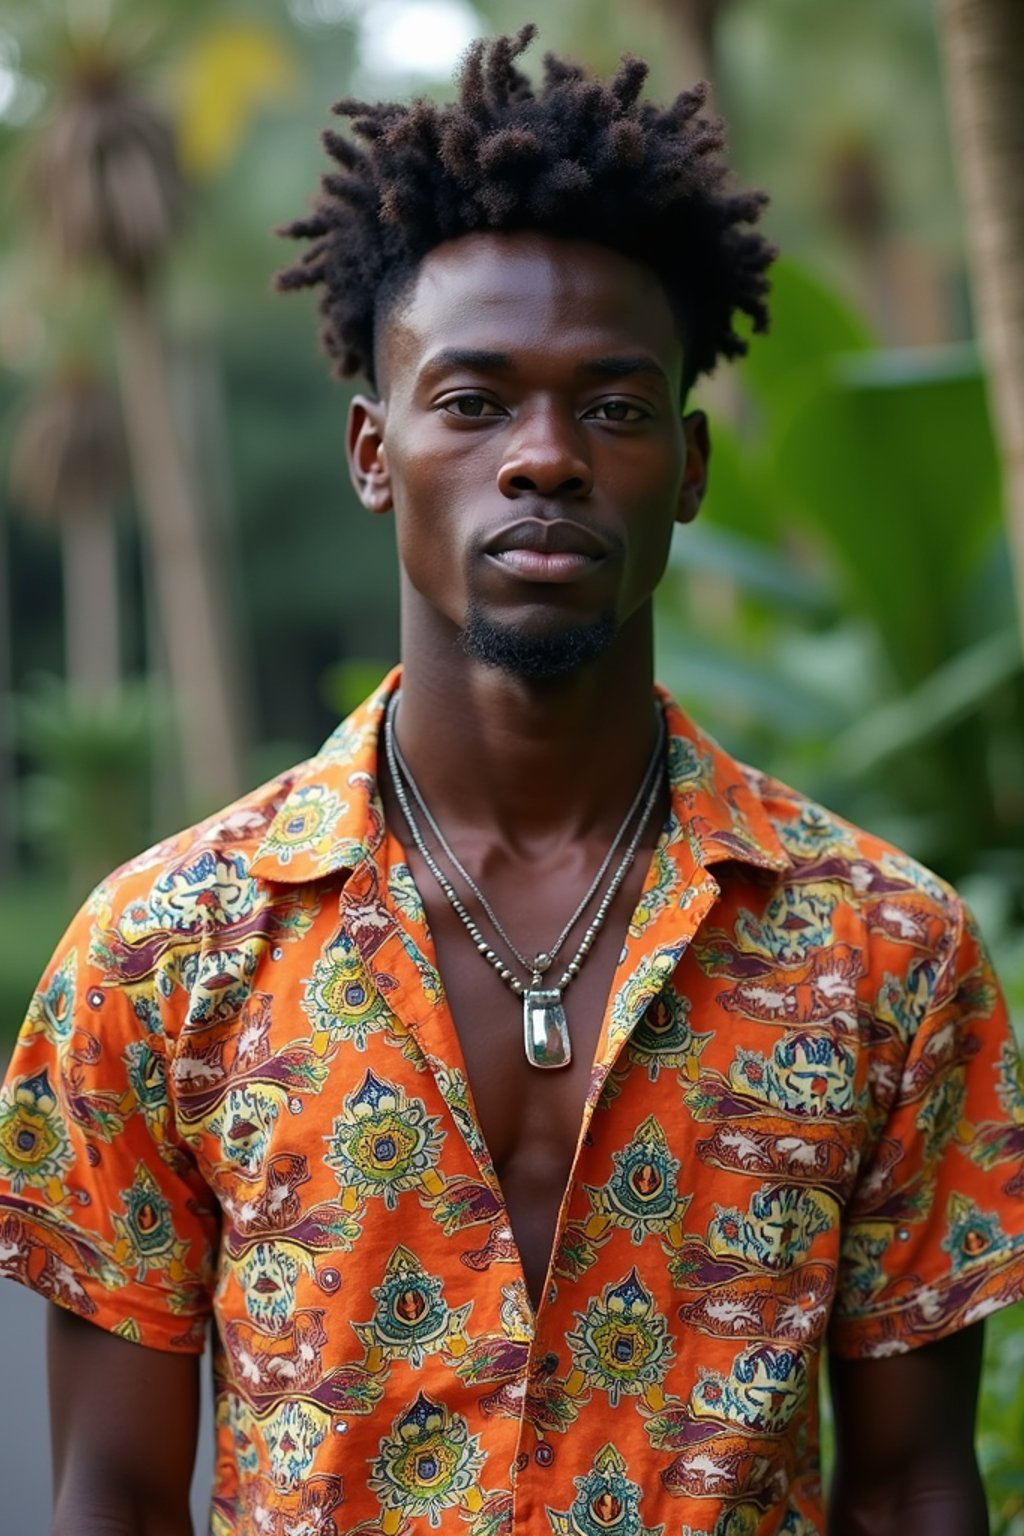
984 41
69 466
694 23
106 183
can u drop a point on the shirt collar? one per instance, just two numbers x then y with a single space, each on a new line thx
330 820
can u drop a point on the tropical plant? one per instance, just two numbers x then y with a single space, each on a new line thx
1000 1433
86 799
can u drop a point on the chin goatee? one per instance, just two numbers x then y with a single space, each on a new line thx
521 654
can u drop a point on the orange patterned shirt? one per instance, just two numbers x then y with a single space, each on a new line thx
239 1095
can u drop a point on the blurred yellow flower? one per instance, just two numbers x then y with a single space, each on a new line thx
230 71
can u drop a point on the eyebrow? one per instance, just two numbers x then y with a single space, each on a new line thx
483 360
474 359
622 365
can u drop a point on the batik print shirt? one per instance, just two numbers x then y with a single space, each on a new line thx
239 1095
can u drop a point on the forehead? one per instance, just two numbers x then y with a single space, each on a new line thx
522 293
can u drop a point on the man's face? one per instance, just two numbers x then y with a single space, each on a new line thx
530 443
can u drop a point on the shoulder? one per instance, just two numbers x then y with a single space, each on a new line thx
178 930
180 923
183 871
750 816
912 944
870 871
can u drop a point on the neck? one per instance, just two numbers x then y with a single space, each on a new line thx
529 762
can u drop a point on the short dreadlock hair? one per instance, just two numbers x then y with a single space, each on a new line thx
581 158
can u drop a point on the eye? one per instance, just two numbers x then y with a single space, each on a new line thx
471 407
618 410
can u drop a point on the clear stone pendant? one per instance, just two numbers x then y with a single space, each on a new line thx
545 1029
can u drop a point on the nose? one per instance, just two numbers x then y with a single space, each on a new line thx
546 455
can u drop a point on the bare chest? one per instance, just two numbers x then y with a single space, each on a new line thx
530 1118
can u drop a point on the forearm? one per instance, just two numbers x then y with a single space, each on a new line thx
124 1421
904 1442
942 1505
96 1510
107 1524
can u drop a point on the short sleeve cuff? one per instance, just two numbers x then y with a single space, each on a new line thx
66 1266
932 1310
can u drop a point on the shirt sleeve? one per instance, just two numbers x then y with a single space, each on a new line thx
934 1232
102 1208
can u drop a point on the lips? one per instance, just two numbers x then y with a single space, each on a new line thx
560 536
538 551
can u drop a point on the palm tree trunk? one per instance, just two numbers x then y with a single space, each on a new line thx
693 24
984 47
191 624
92 640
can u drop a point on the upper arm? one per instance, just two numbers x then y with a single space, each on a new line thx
124 1420
905 1458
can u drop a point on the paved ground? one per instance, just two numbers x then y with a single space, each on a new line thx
24 1444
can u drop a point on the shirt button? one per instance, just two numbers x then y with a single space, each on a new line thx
544 1455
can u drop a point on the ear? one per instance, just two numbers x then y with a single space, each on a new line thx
695 474
367 459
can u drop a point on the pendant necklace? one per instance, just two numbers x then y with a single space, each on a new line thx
545 1028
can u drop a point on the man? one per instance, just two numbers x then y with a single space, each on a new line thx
526 1091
